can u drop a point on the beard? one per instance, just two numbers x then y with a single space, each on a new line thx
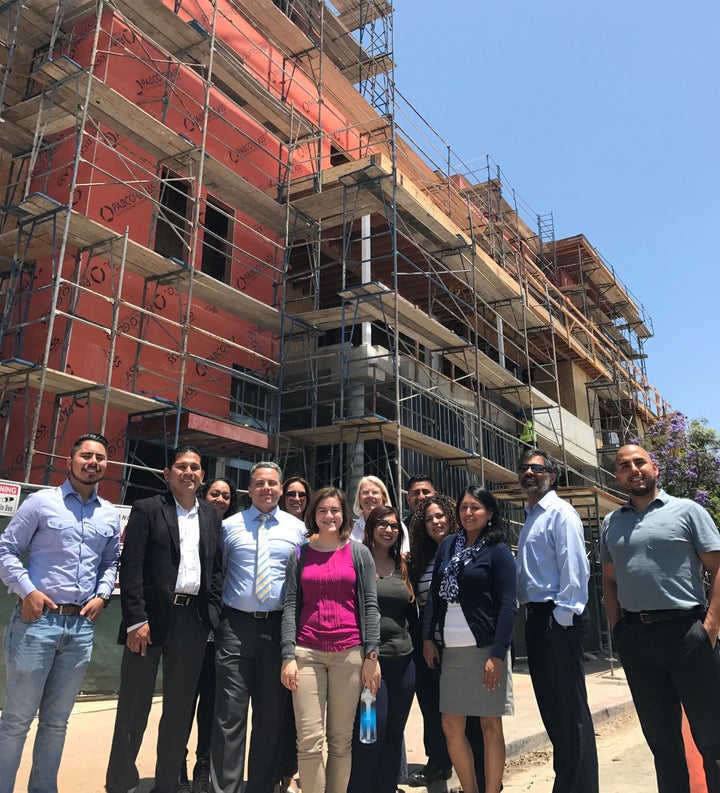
532 487
644 487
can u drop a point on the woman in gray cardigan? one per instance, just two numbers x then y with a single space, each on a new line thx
329 640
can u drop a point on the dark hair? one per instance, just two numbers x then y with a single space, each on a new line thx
495 530
418 478
185 448
550 462
394 552
422 546
233 505
321 495
308 491
96 437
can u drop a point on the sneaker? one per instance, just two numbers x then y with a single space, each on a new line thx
428 774
201 775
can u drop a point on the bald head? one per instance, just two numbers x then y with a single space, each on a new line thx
636 472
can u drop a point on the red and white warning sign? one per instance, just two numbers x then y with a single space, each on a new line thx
9 497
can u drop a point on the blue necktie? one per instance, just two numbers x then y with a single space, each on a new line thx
262 572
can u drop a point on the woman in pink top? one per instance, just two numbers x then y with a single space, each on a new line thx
329 640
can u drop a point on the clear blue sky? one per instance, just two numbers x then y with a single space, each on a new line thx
608 116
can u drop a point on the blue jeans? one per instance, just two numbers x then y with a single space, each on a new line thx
45 662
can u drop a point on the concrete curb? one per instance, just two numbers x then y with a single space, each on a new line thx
539 740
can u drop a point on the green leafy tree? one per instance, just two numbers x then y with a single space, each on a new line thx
688 453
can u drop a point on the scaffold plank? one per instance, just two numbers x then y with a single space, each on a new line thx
113 109
181 39
355 14
21 373
25 116
292 42
328 205
339 44
85 232
376 427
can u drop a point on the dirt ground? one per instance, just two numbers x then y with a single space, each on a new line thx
625 761
626 764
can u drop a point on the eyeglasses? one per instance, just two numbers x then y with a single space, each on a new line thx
296 494
384 524
536 468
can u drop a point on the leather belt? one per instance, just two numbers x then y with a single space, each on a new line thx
66 609
662 615
259 615
61 609
181 599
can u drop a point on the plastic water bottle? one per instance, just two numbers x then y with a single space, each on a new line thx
368 717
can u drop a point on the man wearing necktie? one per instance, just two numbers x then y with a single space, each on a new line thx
257 544
171 583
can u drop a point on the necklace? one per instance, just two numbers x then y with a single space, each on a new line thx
385 567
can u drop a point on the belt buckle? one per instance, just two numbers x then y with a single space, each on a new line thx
261 615
181 599
645 618
66 610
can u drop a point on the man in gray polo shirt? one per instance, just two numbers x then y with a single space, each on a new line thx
653 550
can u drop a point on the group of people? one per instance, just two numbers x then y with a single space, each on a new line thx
294 608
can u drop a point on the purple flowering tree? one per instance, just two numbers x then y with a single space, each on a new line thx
688 454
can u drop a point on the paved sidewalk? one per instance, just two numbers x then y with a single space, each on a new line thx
91 725
608 695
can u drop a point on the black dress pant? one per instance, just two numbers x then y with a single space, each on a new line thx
557 671
205 702
427 691
669 664
247 667
181 655
288 742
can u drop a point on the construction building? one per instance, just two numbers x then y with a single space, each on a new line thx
223 225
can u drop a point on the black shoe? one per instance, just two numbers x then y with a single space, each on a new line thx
427 774
201 775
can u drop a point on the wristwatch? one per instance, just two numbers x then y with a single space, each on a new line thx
105 599
371 656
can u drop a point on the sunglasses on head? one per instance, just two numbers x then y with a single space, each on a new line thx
536 468
296 494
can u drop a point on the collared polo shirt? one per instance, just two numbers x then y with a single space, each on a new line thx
656 552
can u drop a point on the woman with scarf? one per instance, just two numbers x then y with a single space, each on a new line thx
472 605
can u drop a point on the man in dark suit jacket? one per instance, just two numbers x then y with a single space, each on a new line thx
171 588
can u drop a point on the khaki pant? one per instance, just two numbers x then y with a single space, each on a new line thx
325 704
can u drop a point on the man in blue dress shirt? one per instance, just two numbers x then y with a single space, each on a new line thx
70 538
257 544
553 573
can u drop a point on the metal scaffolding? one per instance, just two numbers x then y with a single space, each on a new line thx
224 224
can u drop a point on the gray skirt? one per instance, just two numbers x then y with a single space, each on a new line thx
461 687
